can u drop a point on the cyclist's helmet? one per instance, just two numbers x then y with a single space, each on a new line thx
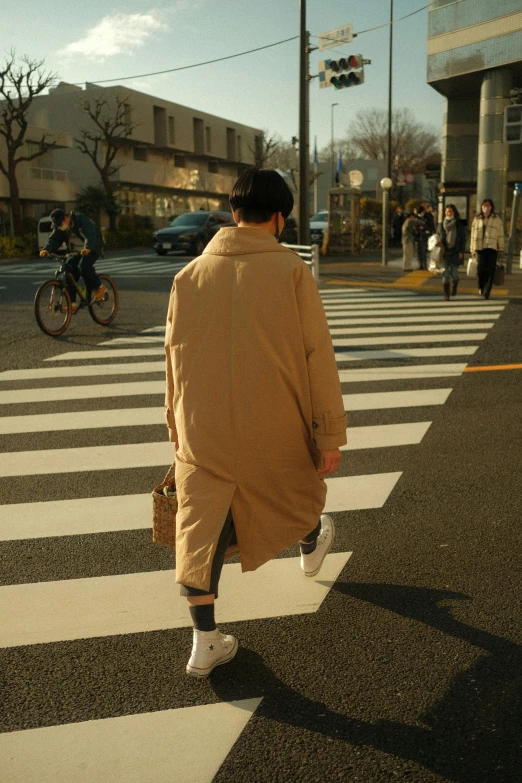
57 217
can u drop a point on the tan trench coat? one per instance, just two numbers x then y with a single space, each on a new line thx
253 393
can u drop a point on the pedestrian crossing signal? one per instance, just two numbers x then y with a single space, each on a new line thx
345 72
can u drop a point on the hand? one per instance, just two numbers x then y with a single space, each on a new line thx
176 446
85 251
43 253
331 459
473 254
461 256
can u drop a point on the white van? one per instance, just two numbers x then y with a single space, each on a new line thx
45 228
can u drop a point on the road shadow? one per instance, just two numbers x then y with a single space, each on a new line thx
473 734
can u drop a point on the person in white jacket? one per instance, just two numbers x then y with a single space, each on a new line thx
487 244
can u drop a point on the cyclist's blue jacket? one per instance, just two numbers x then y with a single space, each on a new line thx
82 227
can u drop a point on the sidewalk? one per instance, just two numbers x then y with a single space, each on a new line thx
367 271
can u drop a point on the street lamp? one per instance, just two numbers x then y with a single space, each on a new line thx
333 154
386 185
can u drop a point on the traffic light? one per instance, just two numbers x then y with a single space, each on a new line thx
347 71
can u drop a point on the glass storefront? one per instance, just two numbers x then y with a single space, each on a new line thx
162 207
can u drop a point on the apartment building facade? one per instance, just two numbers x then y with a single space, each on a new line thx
175 159
475 61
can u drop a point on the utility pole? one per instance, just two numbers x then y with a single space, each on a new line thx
333 153
304 145
389 156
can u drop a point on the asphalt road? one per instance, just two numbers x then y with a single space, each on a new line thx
409 669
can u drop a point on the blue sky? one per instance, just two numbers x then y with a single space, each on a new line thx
90 41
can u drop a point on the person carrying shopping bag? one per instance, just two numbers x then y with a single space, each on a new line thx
253 406
487 243
452 238
409 235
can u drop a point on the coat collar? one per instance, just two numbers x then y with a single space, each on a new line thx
235 241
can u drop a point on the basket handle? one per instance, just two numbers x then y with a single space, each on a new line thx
169 471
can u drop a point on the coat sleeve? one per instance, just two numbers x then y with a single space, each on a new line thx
169 394
500 235
473 236
88 228
328 415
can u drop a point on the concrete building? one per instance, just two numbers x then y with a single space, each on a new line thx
176 159
475 60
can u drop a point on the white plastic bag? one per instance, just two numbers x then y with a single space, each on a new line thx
435 261
472 268
432 242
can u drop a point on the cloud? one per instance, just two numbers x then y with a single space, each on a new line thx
116 34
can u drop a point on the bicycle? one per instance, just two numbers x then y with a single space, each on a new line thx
53 306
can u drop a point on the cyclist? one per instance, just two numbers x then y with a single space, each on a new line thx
78 264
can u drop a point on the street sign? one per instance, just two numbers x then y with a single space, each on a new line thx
333 38
410 178
401 179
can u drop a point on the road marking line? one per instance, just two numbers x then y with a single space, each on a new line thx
494 367
397 399
82 420
120 353
102 606
426 318
152 746
43 373
420 338
413 328
413 308
385 435
87 516
405 353
97 391
142 339
409 371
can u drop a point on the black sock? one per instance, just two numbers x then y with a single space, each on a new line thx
310 540
203 617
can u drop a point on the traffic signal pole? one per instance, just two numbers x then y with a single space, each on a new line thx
304 128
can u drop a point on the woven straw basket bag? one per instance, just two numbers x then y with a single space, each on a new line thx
164 511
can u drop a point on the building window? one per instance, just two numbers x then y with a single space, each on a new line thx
179 161
127 116
231 144
213 167
199 136
160 126
239 148
208 138
140 153
172 136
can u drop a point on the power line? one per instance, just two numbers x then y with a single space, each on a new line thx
194 65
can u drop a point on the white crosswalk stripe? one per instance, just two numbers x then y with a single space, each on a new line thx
397 328
141 266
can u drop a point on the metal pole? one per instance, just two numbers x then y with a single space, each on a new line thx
513 230
389 169
332 129
304 155
385 195
315 262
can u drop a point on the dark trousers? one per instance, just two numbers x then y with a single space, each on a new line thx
487 261
422 251
83 266
227 537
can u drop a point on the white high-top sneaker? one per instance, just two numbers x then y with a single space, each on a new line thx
311 564
210 649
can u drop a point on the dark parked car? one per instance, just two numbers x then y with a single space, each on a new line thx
289 233
191 232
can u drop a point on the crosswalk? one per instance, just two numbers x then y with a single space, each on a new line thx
387 342
144 265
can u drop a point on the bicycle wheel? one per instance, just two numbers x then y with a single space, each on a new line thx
52 308
104 311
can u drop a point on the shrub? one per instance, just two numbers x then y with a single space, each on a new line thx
118 240
371 209
18 247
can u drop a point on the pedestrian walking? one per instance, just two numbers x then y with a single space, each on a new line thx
423 234
452 239
253 406
428 217
409 233
397 223
487 244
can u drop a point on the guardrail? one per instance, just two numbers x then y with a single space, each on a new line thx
310 255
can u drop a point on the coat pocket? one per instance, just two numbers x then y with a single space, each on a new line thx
328 425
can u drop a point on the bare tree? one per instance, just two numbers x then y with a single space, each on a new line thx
412 141
265 148
20 84
110 125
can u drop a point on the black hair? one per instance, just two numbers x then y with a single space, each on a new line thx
58 216
260 193
455 210
487 201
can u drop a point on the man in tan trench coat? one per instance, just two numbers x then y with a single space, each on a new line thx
254 407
